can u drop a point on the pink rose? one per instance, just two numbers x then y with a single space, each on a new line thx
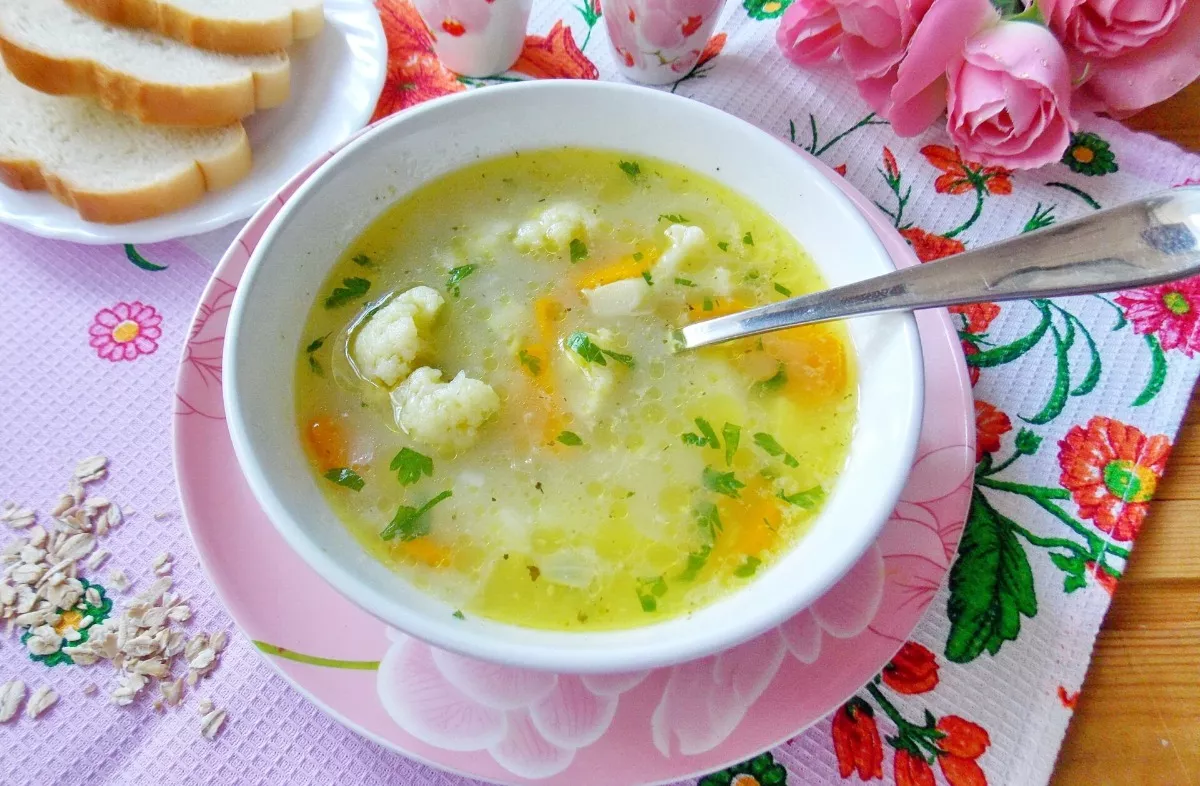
899 51
1145 51
810 32
1010 97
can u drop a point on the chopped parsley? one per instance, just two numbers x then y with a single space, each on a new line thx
775 382
781 289
707 303
344 476
630 168
649 591
747 568
684 282
706 436
315 365
350 290
409 523
708 518
695 563
531 362
805 499
458 615
723 245
772 448
316 344
748 239
581 344
411 465
721 482
637 256
579 251
674 218
646 275
456 276
362 260
733 435
570 438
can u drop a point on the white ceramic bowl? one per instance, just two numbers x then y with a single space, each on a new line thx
346 194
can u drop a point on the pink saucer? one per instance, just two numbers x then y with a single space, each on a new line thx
513 726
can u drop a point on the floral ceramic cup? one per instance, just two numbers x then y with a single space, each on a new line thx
476 38
657 42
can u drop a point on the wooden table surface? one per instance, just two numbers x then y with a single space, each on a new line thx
1138 720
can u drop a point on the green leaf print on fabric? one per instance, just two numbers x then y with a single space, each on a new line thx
765 9
133 256
762 770
991 585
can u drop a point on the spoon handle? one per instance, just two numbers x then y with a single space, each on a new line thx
1150 241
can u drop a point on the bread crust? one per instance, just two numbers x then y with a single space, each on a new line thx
148 201
230 36
158 104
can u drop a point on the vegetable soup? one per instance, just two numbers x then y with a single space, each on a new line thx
490 401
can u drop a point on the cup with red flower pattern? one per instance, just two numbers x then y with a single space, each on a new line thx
476 38
657 42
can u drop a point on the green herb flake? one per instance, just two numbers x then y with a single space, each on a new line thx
362 260
781 289
805 499
581 344
733 435
774 383
646 275
747 568
316 344
637 256
630 168
723 245
458 615
344 476
350 290
620 357
530 362
411 465
649 591
706 437
708 518
456 276
695 563
570 438
410 523
721 482
684 282
579 250
772 448
674 218
748 239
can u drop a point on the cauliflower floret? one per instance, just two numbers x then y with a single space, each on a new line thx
683 241
555 228
588 389
506 322
443 415
387 346
618 298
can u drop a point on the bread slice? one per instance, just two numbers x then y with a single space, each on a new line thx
236 27
56 49
109 167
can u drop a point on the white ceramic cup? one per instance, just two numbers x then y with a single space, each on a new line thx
388 162
657 42
476 38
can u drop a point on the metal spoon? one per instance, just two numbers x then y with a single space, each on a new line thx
1150 241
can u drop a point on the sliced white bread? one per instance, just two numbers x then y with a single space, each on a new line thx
109 167
56 49
237 27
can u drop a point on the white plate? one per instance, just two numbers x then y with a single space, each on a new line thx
336 81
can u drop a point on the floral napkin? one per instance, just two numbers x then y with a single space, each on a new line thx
1078 401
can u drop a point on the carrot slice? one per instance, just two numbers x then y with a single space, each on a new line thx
326 443
814 358
629 266
426 551
718 307
751 521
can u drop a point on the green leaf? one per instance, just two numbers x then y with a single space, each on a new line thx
350 290
362 260
646 275
637 256
772 448
706 436
781 289
721 482
344 476
1075 568
1062 378
708 518
457 274
1092 378
570 438
581 344
695 563
774 383
747 568
579 250
315 366
620 357
805 499
1028 442
707 303
410 523
674 218
998 356
133 256
630 168
991 585
684 282
1158 373
733 435
530 362
649 590
458 615
748 239
316 344
723 245
411 465
1008 7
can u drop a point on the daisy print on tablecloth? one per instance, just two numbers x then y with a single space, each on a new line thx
126 331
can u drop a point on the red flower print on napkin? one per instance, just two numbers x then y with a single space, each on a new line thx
978 316
126 331
928 246
856 740
913 670
1112 471
555 56
414 73
1170 312
912 770
990 425
961 177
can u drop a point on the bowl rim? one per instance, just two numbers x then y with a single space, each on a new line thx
450 634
